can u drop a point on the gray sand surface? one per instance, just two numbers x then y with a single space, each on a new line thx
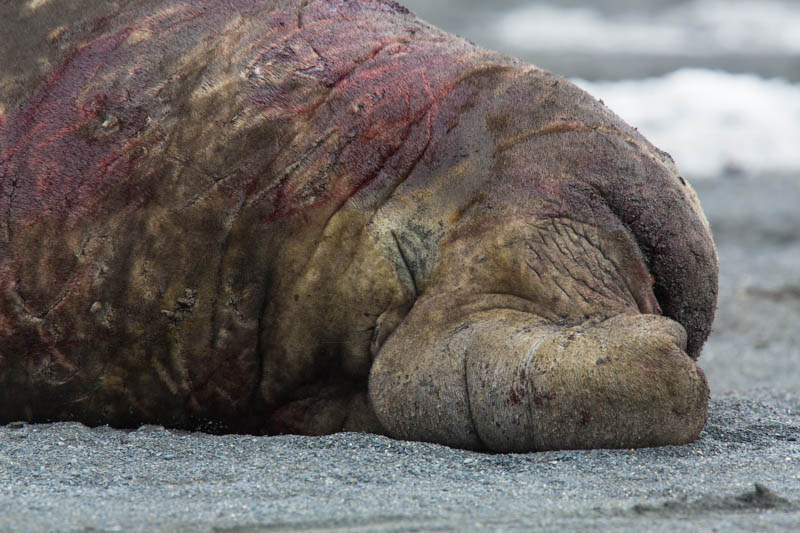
69 477
743 474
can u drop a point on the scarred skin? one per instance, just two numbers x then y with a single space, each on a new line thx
283 216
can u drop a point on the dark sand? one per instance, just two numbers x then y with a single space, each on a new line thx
66 477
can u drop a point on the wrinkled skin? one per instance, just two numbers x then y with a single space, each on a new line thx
284 216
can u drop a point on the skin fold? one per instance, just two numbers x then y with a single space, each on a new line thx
284 216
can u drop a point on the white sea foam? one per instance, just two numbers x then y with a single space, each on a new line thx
713 123
699 27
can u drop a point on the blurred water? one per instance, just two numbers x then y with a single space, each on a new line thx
713 123
714 82
622 39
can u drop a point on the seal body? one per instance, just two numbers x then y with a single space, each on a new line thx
285 216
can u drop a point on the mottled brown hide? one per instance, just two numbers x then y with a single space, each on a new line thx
310 216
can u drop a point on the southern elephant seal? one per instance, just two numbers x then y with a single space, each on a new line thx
323 215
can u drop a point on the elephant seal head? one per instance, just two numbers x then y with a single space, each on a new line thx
566 302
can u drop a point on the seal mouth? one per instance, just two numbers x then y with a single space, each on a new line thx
666 221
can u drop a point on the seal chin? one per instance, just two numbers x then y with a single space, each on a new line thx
506 380
622 382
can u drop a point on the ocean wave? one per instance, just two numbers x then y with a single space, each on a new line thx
695 28
713 123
